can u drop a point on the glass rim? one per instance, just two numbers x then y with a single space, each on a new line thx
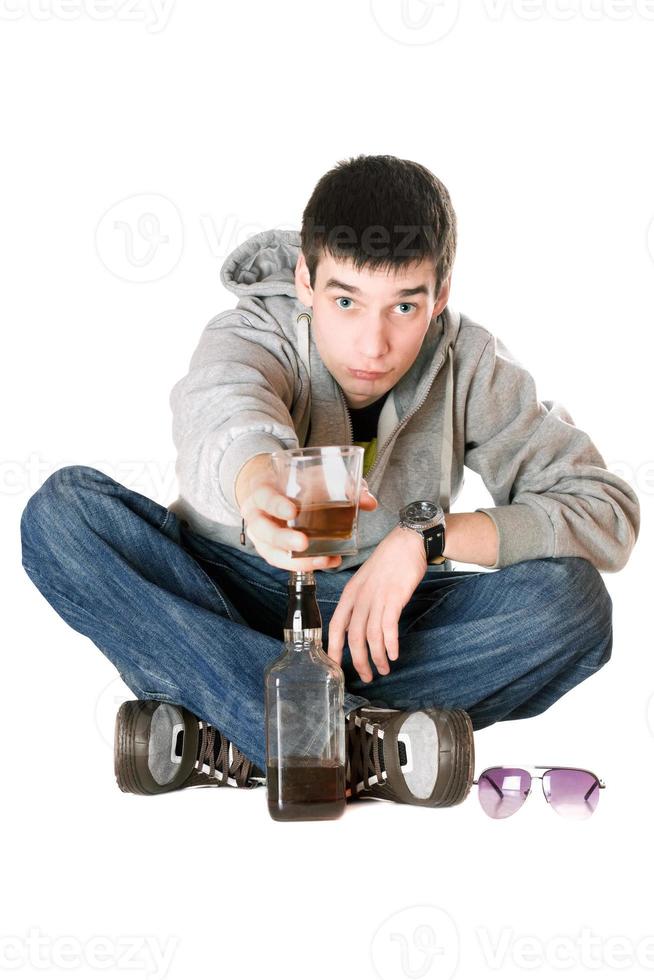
317 452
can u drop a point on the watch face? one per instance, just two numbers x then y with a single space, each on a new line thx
421 510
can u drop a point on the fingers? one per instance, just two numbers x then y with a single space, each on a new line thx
366 500
268 513
275 534
390 620
377 630
358 631
266 497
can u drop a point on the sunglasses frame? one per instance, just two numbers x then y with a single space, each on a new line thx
598 782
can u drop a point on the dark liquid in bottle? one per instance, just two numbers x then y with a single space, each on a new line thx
325 520
308 791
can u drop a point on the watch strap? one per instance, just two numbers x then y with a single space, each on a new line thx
433 540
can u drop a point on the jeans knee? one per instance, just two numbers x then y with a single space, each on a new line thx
51 507
588 594
590 608
578 588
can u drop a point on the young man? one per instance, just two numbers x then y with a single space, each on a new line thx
188 602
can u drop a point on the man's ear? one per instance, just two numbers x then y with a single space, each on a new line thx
302 281
443 296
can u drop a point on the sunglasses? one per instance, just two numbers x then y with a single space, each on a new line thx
571 792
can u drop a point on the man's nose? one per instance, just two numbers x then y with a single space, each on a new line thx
373 343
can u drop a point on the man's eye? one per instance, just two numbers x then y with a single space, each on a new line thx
347 300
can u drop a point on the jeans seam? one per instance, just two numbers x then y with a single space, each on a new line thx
215 588
250 581
169 514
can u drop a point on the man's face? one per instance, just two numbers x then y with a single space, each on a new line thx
369 321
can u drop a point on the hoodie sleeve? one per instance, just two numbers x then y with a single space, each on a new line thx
234 403
554 496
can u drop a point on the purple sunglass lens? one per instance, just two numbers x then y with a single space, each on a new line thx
572 792
503 791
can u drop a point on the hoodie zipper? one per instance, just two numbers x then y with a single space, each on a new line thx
399 425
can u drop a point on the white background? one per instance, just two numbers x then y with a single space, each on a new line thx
537 116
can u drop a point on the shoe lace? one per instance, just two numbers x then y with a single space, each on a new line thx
218 762
363 754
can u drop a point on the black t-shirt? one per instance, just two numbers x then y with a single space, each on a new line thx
364 420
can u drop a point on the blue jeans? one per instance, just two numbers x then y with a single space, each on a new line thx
194 622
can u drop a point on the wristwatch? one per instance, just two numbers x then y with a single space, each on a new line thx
428 519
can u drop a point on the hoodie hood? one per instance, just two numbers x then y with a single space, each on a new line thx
263 265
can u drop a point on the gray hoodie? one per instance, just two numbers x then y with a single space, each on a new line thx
256 380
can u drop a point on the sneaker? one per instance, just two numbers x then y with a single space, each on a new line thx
160 747
424 757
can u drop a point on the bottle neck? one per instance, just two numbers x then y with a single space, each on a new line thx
303 620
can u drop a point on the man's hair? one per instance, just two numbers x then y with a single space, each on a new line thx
381 212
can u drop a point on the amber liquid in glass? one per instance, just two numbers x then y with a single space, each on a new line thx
325 520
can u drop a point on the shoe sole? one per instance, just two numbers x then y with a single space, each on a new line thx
456 759
462 758
125 733
131 742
